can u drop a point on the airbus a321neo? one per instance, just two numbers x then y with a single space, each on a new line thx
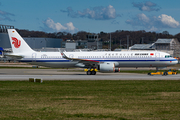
107 61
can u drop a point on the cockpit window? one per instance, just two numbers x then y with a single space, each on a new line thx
167 56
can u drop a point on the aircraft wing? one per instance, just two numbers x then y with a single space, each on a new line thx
84 61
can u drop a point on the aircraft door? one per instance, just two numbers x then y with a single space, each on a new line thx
34 57
157 56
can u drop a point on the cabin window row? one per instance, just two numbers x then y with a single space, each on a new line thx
130 54
114 56
51 56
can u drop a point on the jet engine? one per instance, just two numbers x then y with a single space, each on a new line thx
108 67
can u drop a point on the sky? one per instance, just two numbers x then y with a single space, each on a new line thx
92 16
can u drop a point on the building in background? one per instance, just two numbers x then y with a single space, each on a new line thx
4 38
33 42
142 47
168 45
92 43
171 46
38 43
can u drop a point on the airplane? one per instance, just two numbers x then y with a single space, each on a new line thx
1 52
106 61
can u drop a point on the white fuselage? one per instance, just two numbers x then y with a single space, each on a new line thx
120 59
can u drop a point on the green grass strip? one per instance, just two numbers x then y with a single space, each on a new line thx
122 100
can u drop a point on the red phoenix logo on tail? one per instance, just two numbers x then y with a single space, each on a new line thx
16 42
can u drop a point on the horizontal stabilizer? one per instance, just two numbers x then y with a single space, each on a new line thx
13 56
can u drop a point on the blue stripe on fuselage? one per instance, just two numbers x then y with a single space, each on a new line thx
63 60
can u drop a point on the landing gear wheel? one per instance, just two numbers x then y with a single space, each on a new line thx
89 72
93 72
165 73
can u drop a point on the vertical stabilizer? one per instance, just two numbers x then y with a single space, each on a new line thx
18 44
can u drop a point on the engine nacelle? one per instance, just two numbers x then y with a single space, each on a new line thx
108 67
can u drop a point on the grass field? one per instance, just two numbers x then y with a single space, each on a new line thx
83 100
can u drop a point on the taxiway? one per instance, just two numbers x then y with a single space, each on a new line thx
59 74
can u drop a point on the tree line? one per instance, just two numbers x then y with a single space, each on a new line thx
118 38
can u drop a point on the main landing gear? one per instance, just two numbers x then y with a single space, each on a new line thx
91 71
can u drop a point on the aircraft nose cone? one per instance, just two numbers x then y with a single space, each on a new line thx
175 62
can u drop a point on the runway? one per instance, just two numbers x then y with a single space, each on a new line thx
60 74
